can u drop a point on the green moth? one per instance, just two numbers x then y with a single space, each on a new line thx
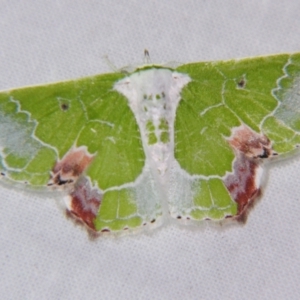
130 150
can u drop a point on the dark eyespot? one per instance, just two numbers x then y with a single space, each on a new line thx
64 106
241 84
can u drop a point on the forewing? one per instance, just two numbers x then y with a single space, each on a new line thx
80 136
233 116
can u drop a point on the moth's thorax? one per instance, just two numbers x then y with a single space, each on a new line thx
153 95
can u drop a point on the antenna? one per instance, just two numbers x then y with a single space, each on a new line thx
147 59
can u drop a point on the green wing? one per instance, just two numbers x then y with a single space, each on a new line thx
80 136
233 116
129 150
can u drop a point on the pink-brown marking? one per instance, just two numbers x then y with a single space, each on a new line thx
244 184
250 143
71 166
85 202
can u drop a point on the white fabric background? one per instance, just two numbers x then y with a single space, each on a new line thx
44 256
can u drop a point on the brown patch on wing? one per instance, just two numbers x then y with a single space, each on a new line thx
250 143
244 183
85 203
70 167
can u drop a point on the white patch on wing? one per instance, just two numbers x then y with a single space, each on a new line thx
153 96
17 138
289 109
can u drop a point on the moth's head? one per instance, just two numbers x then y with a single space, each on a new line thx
147 64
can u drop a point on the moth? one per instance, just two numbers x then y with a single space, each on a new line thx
156 144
